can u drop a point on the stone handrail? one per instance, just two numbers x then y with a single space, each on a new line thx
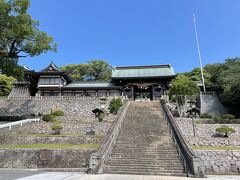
9 125
192 164
98 159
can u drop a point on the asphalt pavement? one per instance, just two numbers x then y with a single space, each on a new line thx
32 174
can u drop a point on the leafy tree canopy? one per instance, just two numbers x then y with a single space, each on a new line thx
6 84
195 75
183 86
229 79
10 67
19 36
223 78
19 33
76 71
99 70
93 70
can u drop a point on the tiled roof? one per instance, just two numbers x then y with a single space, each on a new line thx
91 84
143 71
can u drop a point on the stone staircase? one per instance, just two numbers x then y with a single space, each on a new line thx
144 145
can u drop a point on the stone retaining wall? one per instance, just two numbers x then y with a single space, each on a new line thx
214 142
34 106
215 161
68 128
35 158
220 162
205 133
51 140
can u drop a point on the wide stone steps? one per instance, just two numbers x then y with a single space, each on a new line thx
145 168
137 147
138 153
144 145
162 159
147 160
146 172
142 162
155 152
127 156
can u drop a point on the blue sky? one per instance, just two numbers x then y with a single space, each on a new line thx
137 32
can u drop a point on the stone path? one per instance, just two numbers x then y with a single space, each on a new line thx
10 174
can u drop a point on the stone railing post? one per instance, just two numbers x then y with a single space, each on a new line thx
198 168
93 164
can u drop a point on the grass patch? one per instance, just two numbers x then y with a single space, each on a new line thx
53 146
61 135
225 148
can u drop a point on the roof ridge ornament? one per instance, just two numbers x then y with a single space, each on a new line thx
50 67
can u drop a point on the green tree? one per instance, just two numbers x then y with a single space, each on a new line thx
213 81
229 78
223 78
77 71
6 84
195 75
10 67
182 87
94 70
99 70
19 35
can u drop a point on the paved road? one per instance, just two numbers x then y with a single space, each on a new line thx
9 174
40 175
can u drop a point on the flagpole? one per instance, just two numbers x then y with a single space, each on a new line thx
199 52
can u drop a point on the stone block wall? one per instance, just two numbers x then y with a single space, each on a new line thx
85 139
214 142
220 162
204 130
35 158
78 106
215 161
211 104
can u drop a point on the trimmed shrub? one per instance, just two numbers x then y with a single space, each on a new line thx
56 128
227 116
225 119
235 121
101 117
225 130
218 119
58 113
48 118
206 116
115 105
